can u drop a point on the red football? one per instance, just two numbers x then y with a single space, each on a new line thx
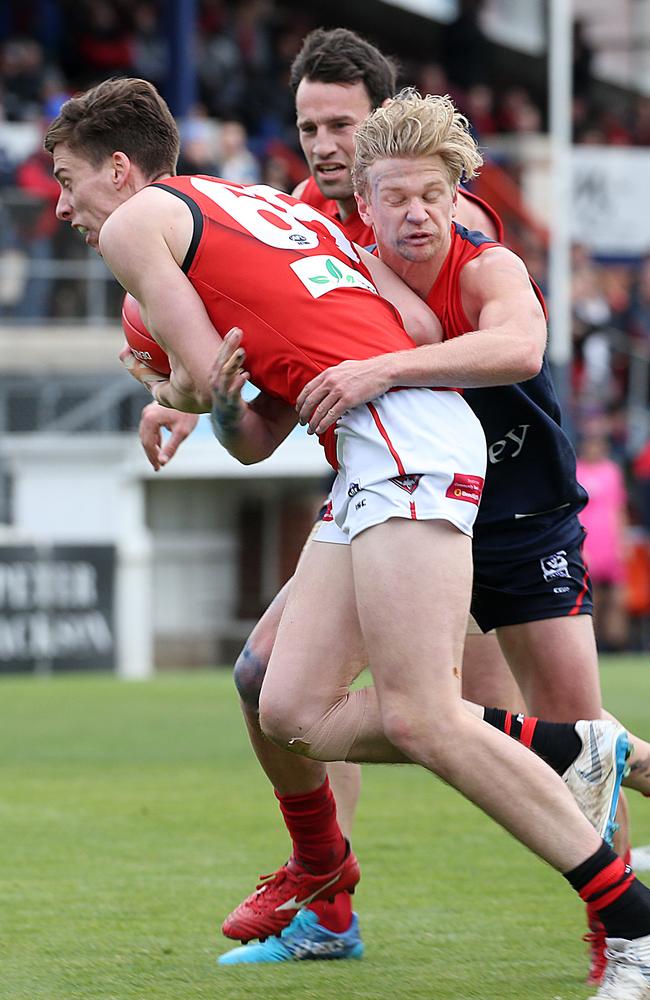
140 340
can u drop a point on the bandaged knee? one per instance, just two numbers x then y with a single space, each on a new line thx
334 735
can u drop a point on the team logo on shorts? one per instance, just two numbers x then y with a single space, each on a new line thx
468 488
327 512
555 566
408 483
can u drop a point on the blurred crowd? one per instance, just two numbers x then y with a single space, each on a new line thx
242 127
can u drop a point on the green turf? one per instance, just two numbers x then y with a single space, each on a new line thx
133 817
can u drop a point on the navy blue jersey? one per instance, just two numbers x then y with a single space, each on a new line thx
531 494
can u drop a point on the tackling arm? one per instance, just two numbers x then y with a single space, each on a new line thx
506 346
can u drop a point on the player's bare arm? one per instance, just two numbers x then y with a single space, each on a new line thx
421 324
144 243
506 346
249 431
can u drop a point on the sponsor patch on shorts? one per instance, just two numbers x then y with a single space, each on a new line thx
468 488
408 483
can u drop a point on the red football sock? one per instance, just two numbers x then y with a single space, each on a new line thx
318 843
335 916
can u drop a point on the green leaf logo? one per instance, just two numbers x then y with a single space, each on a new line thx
321 279
333 269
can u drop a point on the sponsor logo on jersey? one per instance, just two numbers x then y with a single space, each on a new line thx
360 503
509 446
555 566
322 273
468 488
354 489
143 355
408 483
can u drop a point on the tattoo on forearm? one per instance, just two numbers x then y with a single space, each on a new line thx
225 416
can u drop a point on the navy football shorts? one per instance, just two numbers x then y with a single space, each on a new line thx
511 592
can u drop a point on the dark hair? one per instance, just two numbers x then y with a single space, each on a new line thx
119 114
341 56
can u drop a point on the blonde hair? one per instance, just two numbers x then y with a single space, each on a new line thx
410 125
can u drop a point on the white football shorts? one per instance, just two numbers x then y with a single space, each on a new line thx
413 453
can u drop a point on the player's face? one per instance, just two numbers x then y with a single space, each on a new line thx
410 205
327 117
89 194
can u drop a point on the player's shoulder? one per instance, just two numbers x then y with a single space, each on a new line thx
494 259
300 189
147 212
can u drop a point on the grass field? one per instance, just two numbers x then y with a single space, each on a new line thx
133 817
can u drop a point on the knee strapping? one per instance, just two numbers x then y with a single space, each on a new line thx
332 737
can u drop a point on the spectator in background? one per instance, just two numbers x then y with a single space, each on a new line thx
478 105
465 47
237 163
641 121
641 469
614 122
275 173
22 68
591 319
637 317
34 179
518 113
221 73
430 78
604 519
639 561
150 59
198 146
105 40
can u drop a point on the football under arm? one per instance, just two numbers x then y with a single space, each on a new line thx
133 245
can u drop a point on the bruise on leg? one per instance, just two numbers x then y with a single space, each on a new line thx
248 674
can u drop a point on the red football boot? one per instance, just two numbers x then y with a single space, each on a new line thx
280 896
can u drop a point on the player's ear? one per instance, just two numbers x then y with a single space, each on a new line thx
454 203
121 169
363 208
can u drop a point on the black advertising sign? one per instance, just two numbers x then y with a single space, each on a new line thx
57 608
